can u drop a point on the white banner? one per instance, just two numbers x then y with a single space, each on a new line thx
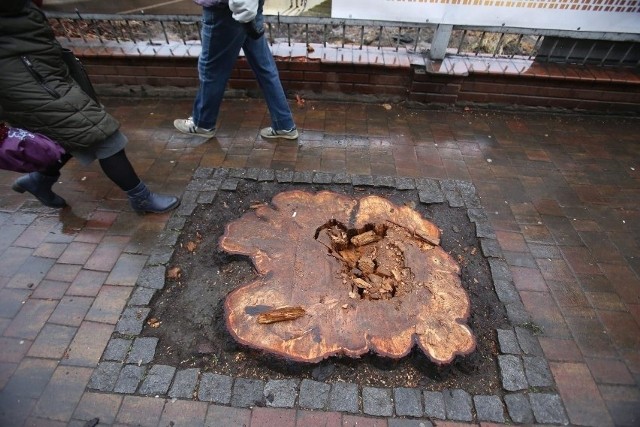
620 16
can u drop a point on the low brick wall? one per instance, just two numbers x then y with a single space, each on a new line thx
549 86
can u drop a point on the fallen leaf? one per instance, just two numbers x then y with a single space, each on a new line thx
154 323
191 246
387 106
310 48
300 101
174 273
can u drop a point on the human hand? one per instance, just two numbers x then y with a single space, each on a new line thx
254 31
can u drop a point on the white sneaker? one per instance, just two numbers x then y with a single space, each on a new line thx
189 127
271 133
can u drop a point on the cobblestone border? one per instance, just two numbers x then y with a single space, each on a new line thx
126 364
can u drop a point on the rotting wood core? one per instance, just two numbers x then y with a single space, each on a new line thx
374 265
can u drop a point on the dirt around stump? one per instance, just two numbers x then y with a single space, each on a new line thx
188 315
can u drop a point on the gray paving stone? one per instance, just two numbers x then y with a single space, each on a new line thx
508 341
117 349
184 384
188 203
186 208
303 177
322 178
207 197
468 192
434 405
213 185
202 173
251 173
220 173
161 256
284 176
429 191
506 290
313 394
528 342
404 184
451 193
247 393
384 181
167 237
230 184
489 408
408 401
239 173
517 314
377 401
152 277
143 350
458 404
129 379
158 380
500 270
131 320
519 408
342 178
362 180
547 408
477 215
105 376
197 185
141 296
175 223
343 397
266 175
512 373
215 388
490 248
400 422
537 371
281 393
485 230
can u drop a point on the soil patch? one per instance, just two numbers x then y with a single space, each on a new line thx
188 316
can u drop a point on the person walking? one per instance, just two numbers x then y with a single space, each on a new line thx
38 94
227 27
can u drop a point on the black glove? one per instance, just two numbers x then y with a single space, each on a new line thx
253 30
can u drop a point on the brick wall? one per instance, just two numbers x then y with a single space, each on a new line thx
569 88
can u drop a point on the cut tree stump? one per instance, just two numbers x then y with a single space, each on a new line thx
345 276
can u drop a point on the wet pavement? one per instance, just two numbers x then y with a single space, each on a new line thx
561 193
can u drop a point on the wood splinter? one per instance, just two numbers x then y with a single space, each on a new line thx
281 314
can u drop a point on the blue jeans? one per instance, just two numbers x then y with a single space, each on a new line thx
222 39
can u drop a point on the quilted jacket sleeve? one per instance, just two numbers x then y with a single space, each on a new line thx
244 10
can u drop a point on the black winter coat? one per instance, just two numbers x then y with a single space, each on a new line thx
36 92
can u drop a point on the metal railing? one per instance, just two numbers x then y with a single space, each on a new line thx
431 40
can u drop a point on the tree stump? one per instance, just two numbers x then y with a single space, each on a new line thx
345 276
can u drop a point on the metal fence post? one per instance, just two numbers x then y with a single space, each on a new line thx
440 41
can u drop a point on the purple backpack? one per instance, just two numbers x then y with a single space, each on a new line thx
23 151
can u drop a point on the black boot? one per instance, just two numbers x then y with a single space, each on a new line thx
142 200
40 186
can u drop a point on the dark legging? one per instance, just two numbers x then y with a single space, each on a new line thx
118 169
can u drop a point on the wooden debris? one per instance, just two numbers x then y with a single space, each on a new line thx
365 238
281 314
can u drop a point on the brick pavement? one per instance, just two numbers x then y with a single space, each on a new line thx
561 195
